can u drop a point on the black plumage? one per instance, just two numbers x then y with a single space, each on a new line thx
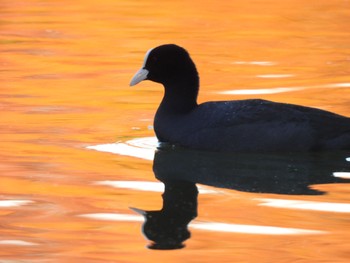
253 125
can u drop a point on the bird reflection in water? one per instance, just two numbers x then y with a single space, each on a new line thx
168 227
181 169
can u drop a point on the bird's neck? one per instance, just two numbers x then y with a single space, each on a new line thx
180 97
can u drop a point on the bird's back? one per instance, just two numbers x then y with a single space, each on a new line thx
255 125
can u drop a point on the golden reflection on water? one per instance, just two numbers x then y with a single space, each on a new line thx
64 71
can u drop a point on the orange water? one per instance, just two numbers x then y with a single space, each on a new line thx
64 71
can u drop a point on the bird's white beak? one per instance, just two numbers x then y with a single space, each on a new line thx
139 76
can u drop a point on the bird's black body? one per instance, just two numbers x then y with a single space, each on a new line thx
233 126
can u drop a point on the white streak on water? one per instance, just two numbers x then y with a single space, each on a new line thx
258 63
281 89
135 185
212 226
339 85
260 91
253 229
14 203
17 243
306 205
114 217
143 148
275 76
147 186
345 175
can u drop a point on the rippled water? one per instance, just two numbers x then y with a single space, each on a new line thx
81 180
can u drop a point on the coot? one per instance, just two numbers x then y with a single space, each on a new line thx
253 125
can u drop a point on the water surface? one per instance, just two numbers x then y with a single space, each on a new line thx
64 71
